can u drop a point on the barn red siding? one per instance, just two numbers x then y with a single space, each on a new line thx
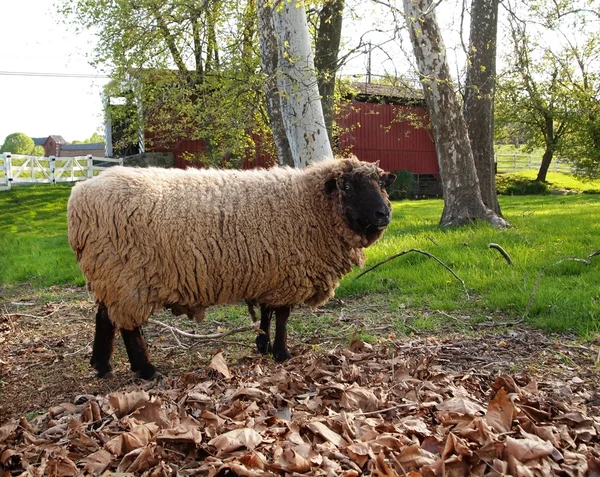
373 133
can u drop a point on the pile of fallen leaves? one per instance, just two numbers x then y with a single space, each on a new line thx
364 410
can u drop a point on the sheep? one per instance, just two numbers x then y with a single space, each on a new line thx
189 239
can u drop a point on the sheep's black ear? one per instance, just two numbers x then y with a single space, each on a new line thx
330 186
389 179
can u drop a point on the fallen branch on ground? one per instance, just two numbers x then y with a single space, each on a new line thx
502 252
416 250
212 336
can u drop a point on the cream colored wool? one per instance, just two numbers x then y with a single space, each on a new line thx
146 238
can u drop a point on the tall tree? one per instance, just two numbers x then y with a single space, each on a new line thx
549 91
299 101
480 89
462 197
327 48
269 52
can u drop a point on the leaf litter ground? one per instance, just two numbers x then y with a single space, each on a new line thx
488 400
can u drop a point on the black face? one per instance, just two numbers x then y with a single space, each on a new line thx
363 200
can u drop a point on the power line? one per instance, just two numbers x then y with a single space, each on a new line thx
52 75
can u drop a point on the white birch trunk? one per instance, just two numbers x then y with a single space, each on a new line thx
269 54
462 196
297 84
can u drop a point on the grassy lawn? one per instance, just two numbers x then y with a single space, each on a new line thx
546 229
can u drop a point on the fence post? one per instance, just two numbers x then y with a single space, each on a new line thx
52 169
8 169
90 166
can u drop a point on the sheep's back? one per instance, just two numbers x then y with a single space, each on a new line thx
149 237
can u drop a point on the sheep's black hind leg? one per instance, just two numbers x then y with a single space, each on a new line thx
263 340
103 342
137 352
280 351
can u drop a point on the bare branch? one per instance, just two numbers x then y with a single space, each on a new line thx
212 336
416 251
502 252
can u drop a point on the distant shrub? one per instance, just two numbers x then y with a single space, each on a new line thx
519 186
405 186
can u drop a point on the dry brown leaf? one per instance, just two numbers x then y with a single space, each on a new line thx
359 452
97 462
182 433
326 433
218 364
500 412
7 429
251 393
60 466
292 461
138 460
153 411
357 398
128 441
461 405
233 440
528 449
125 402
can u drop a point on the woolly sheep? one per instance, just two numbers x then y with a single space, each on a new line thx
189 239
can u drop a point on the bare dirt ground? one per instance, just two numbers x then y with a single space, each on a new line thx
45 344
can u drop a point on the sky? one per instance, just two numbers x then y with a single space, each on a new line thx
41 102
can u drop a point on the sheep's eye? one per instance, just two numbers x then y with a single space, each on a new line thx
346 186
382 184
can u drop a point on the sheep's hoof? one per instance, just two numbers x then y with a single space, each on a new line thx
281 355
148 372
103 371
263 344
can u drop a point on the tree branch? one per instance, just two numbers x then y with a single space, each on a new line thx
416 251
502 252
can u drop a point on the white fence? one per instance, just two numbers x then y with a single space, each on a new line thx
18 169
522 162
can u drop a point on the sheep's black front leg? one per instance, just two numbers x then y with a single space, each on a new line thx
263 340
139 359
103 342
280 351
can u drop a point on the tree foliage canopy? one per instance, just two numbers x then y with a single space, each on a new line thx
17 143
192 65
549 92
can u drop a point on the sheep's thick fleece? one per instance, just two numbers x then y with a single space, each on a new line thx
146 238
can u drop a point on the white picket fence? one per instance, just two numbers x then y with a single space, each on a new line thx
525 162
19 169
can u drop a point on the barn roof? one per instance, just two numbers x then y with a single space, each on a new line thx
39 141
58 139
83 147
408 93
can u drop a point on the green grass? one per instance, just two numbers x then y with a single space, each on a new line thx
33 237
555 180
546 229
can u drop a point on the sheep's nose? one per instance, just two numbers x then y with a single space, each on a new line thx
382 217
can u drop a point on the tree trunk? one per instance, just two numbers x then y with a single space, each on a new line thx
269 57
462 197
327 47
297 84
549 151
479 96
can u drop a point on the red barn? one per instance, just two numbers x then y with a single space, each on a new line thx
375 122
